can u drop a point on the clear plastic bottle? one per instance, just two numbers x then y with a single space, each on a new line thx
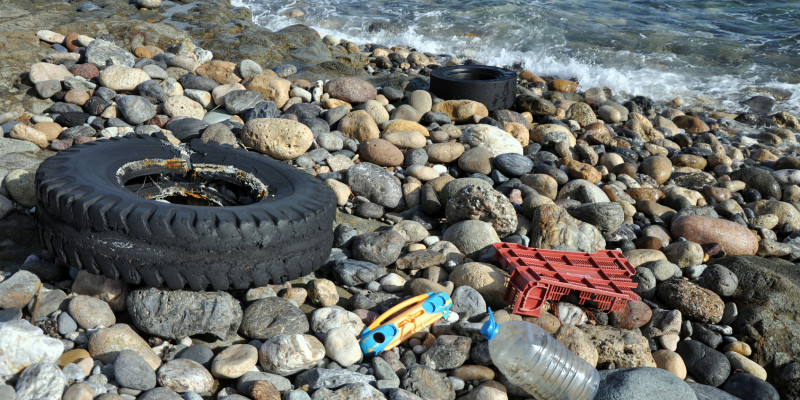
533 360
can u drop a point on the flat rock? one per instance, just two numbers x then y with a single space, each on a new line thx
153 311
183 375
318 378
18 290
426 383
122 78
353 272
106 343
234 361
271 316
103 53
447 352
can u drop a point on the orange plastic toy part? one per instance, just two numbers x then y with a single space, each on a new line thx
539 275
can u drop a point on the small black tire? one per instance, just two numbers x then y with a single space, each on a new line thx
495 87
87 218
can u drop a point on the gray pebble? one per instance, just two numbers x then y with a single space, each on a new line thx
66 324
132 371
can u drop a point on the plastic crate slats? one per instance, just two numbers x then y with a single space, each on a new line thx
538 275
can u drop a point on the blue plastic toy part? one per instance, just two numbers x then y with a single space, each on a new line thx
490 328
373 342
437 303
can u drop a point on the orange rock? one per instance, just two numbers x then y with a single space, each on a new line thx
220 71
71 41
579 170
692 125
644 194
563 85
734 238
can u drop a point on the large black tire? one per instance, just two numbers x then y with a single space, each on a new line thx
495 87
88 219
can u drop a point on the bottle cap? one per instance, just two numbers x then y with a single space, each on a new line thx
490 328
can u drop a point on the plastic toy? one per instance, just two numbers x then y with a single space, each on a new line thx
538 275
408 317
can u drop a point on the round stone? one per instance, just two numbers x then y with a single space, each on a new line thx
322 292
272 316
287 354
132 371
183 375
276 137
234 361
90 312
343 347
380 152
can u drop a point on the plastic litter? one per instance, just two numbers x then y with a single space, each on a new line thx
539 275
533 360
407 318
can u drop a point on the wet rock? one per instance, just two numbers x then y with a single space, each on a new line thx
271 316
759 179
153 311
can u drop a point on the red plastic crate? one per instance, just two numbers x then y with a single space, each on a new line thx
539 275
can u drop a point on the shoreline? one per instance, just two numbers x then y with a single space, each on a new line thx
704 204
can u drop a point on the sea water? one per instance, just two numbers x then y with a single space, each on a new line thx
713 54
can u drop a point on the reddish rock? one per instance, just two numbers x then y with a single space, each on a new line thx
692 125
71 41
735 239
351 89
381 152
87 71
645 194
634 315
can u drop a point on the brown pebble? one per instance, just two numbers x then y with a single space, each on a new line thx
264 390
72 356
71 41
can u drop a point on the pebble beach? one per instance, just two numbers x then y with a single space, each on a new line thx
704 203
